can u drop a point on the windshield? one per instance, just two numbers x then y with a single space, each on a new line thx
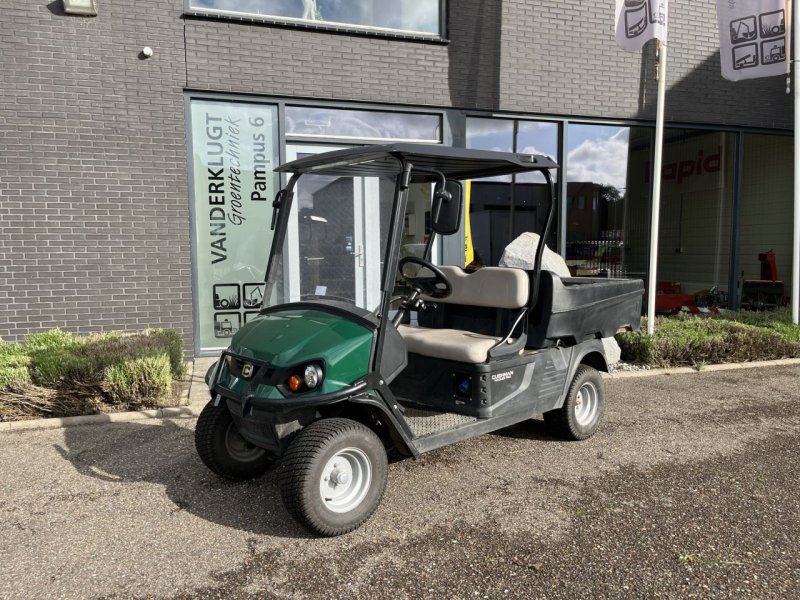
336 241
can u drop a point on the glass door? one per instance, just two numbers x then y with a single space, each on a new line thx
334 246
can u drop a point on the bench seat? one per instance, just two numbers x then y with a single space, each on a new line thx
449 344
497 288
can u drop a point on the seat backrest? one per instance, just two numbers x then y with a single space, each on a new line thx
492 287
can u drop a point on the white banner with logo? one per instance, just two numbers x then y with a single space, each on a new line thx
753 39
638 21
234 150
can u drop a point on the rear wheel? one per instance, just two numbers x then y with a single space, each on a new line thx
223 449
580 416
333 476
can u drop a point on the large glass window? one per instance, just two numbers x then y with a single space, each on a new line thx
503 208
695 223
608 200
234 150
765 221
316 122
416 16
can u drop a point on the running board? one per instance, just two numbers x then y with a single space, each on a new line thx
433 430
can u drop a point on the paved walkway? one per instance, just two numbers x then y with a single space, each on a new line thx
689 490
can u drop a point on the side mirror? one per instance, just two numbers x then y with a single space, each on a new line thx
446 207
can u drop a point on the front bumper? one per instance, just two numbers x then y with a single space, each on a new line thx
263 414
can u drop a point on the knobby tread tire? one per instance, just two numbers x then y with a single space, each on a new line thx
299 483
561 421
212 424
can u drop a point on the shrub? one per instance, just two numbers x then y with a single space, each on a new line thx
694 340
139 382
13 367
173 345
56 373
52 355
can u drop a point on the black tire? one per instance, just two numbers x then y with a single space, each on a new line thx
310 463
223 450
576 419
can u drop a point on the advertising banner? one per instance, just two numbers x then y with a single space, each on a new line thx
234 150
638 21
752 38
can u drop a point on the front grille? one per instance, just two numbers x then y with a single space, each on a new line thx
237 364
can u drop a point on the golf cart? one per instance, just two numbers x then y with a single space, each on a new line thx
336 371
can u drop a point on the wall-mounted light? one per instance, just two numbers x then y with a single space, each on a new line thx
87 8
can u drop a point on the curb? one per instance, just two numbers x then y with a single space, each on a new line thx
121 417
783 362
194 409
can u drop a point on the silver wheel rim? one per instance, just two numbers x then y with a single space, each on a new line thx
345 480
586 403
239 448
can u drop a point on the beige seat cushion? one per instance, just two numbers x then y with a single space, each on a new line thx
450 344
495 287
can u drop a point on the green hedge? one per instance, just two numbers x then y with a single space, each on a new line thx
57 373
695 340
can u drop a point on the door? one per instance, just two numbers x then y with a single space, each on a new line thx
334 245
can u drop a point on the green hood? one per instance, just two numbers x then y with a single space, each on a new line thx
287 338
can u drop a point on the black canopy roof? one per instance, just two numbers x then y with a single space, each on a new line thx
453 163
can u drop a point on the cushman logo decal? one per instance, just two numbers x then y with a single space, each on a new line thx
502 376
247 370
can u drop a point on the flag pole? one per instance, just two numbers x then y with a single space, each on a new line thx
796 239
652 272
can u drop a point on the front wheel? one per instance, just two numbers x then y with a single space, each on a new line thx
333 476
580 416
223 449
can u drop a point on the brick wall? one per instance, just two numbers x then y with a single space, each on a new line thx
94 206
554 57
94 210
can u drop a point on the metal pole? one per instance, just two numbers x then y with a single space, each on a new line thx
652 273
796 243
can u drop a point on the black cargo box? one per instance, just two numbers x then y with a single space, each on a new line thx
573 309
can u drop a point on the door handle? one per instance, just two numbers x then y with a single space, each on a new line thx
359 254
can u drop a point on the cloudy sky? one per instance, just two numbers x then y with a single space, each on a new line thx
596 153
599 154
413 15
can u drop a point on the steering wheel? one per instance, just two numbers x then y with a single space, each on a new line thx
434 287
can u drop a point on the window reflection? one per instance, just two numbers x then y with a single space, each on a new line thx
765 227
503 208
418 16
695 222
608 200
361 124
534 137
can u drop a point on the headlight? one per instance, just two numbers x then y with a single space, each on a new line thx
305 377
312 375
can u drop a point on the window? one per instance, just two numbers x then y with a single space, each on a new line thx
765 221
695 224
503 208
414 16
303 121
609 234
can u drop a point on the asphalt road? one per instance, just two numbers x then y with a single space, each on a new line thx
690 490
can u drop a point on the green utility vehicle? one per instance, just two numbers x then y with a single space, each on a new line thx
336 370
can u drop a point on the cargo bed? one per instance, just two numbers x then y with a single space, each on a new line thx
572 309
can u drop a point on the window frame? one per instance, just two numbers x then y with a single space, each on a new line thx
324 26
